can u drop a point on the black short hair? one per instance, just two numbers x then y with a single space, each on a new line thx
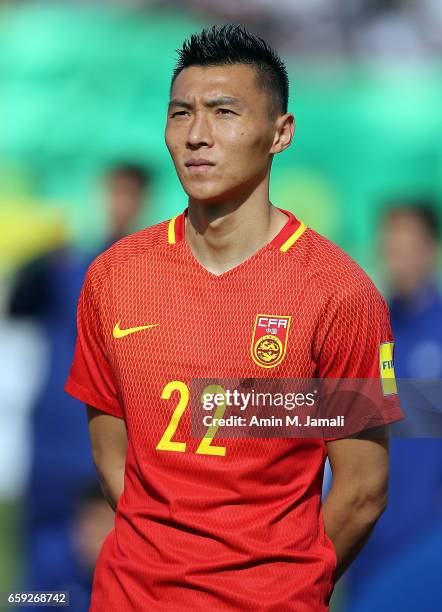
138 173
233 44
425 211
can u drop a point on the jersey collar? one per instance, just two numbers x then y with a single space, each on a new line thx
289 234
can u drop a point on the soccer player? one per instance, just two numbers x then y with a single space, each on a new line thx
233 287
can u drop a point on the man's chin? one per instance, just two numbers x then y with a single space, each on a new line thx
206 195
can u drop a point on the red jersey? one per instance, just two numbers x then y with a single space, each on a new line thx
222 524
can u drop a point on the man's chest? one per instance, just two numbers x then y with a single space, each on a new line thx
164 333
178 328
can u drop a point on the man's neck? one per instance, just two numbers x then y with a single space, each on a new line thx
221 236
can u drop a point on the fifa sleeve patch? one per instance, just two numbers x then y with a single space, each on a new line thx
386 368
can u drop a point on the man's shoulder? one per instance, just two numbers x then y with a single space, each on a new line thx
333 270
146 241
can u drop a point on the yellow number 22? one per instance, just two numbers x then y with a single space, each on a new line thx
166 443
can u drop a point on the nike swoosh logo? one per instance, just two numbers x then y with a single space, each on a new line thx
120 333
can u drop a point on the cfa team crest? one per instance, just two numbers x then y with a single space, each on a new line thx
269 340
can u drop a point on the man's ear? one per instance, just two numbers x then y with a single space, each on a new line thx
284 132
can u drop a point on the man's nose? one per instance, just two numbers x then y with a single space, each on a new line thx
200 133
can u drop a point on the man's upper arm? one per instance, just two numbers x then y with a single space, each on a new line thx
362 462
353 329
91 378
108 436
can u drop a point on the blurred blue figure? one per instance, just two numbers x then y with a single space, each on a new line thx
399 569
46 290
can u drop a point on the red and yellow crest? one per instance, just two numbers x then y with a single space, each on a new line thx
269 340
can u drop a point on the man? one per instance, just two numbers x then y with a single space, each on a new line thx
127 186
233 287
46 291
399 567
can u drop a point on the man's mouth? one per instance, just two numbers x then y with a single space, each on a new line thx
199 165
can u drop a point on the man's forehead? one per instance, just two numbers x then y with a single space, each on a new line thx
234 81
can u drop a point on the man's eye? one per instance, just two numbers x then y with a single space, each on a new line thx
225 111
179 114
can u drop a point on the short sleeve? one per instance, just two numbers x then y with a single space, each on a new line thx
91 379
354 332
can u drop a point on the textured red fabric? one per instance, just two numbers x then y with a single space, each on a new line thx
243 530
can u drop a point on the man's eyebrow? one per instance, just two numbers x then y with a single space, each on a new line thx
222 100
176 102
